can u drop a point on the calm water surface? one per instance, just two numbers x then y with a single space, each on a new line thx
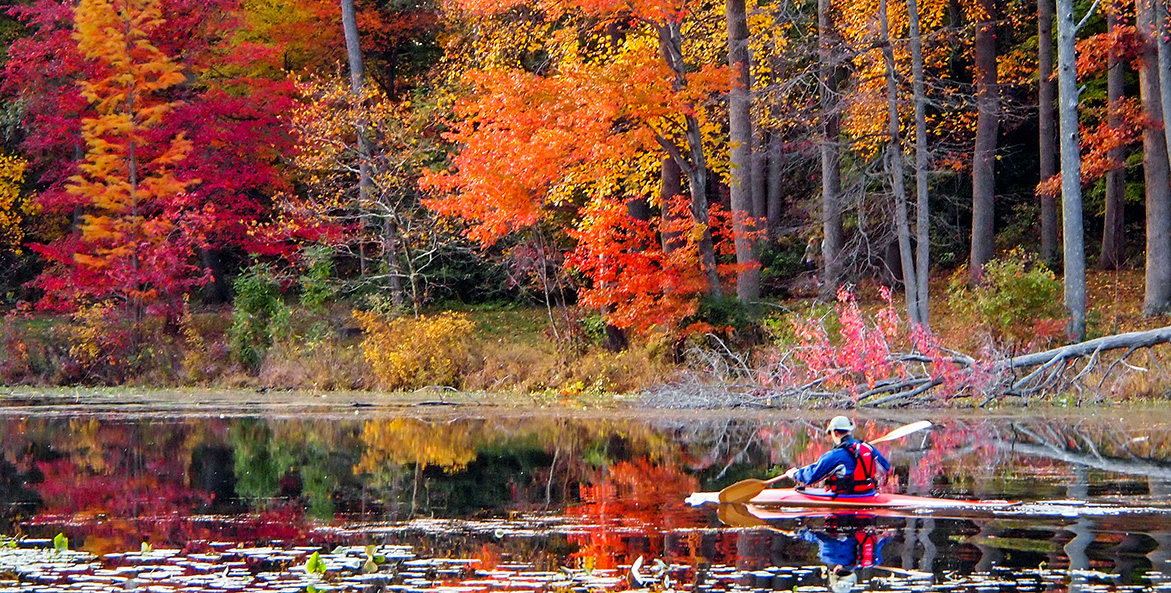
467 501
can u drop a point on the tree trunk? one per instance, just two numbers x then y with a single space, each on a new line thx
984 154
833 240
1155 168
1112 238
774 210
922 220
1047 141
1163 49
1071 171
357 79
693 163
759 180
670 186
740 138
895 166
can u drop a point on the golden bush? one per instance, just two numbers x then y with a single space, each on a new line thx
409 353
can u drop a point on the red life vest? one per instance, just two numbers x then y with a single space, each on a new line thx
861 481
866 541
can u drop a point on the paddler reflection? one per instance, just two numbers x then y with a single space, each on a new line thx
847 542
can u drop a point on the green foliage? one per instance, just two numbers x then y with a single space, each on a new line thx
315 565
317 288
725 313
61 543
779 326
594 328
260 316
1017 299
781 261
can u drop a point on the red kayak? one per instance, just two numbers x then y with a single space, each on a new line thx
791 497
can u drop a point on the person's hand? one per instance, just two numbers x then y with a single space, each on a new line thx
791 473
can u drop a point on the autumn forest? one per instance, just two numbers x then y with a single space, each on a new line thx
581 195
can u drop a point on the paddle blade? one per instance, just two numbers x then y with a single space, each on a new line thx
743 491
737 515
902 431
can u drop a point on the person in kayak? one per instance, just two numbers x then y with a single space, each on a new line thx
849 469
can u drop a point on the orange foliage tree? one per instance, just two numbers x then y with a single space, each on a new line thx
140 228
585 136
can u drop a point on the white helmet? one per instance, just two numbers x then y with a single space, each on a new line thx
843 584
840 423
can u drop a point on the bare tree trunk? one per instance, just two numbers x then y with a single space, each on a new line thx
1112 237
1163 48
357 80
740 137
831 172
895 166
759 179
774 209
670 186
1071 170
1155 168
1046 96
922 220
693 163
984 154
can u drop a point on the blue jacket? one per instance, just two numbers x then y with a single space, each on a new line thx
842 549
836 461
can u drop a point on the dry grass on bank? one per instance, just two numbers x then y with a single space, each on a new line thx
509 350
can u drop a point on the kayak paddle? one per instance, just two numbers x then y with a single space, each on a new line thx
746 490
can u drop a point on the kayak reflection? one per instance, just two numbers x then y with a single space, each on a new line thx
849 543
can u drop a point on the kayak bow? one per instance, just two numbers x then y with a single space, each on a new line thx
792 497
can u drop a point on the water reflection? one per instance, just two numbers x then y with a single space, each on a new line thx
593 495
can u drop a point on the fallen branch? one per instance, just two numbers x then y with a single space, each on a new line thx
1143 339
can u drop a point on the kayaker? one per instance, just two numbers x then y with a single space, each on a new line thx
849 469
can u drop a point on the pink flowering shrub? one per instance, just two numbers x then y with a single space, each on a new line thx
873 355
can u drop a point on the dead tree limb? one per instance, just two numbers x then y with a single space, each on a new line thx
1142 339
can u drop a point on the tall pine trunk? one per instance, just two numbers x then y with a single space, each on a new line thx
1155 166
740 137
984 154
1047 126
1071 170
1112 238
833 240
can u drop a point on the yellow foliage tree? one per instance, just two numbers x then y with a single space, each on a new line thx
136 237
12 207
408 353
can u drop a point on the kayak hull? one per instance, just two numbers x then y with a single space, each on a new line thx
791 497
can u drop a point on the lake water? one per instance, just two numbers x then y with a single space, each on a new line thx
477 499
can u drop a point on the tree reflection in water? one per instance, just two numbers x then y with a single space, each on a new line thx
605 490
